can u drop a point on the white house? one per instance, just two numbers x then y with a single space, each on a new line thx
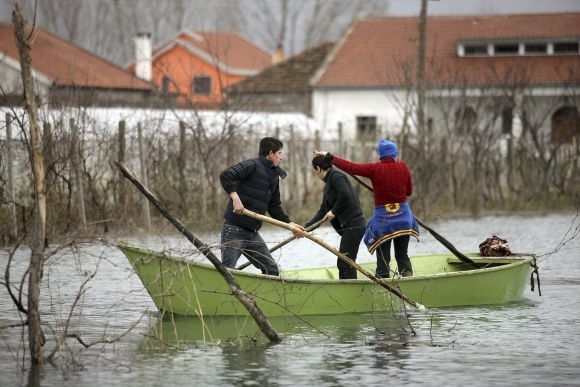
498 70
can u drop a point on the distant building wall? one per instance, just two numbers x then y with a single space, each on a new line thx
332 109
274 102
109 98
179 68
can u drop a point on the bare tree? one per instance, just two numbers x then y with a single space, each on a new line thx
299 24
35 335
108 27
29 303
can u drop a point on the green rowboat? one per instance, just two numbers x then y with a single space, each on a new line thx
185 287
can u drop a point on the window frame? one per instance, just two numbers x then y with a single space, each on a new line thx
199 89
366 127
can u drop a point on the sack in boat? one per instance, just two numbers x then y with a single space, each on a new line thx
495 247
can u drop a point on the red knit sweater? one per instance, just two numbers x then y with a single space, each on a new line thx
391 179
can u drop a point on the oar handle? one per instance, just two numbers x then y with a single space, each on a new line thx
336 252
285 241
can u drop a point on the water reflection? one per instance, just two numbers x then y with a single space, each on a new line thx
177 332
329 345
171 332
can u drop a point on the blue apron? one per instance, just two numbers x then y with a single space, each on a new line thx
388 222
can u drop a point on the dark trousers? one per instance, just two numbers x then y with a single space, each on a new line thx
352 234
401 244
235 240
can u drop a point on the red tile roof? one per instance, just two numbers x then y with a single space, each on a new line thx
226 50
67 64
383 51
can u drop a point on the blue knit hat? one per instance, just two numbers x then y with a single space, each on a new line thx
387 149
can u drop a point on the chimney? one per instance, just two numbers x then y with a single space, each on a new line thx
143 55
278 55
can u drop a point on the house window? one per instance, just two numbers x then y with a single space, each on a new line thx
366 127
531 47
536 48
506 49
165 82
201 85
566 48
476 49
465 120
507 118
565 125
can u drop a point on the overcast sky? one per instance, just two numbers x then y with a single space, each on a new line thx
469 7
439 7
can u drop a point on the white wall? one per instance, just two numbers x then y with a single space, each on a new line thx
343 106
331 107
106 120
11 78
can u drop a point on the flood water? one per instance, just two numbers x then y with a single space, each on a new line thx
534 342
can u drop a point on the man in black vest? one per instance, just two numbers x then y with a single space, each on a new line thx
253 184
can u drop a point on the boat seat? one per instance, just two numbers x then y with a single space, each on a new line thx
329 274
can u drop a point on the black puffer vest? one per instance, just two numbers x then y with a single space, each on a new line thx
255 192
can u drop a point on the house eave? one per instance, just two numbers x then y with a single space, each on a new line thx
540 88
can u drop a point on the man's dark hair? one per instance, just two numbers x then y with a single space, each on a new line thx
321 161
268 144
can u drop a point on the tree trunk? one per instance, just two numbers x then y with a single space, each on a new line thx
35 336
248 302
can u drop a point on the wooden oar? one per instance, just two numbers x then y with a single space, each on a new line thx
248 302
340 255
285 241
464 258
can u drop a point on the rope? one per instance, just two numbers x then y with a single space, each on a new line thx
532 282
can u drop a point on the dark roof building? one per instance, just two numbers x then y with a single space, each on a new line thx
285 87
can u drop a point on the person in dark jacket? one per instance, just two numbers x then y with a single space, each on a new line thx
340 204
253 184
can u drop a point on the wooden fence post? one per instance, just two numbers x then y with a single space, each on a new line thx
342 149
143 165
121 187
181 162
231 141
292 193
48 146
11 188
76 150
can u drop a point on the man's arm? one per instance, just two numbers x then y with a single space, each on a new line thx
341 187
230 177
277 212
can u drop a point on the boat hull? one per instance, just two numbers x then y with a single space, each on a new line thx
188 288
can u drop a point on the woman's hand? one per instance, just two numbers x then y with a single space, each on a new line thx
300 232
329 215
